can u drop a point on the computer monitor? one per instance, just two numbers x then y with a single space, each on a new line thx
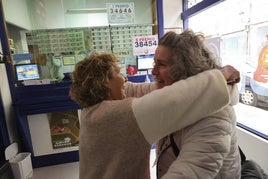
145 62
26 72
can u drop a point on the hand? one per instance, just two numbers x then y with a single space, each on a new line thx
71 94
93 54
231 74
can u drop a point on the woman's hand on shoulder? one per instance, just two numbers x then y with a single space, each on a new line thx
231 74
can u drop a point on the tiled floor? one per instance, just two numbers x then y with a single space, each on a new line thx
64 171
70 170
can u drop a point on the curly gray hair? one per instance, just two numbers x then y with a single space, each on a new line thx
189 55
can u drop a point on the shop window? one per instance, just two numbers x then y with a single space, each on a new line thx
191 3
242 34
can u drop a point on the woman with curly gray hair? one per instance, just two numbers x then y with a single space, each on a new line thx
117 133
208 148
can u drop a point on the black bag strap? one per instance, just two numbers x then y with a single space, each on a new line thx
242 155
175 149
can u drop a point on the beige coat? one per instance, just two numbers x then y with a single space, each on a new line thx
116 136
208 148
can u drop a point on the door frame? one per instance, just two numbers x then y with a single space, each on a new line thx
4 137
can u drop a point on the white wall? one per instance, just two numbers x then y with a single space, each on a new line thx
7 105
254 147
16 12
51 14
172 11
143 12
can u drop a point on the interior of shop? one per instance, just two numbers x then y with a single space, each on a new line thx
46 38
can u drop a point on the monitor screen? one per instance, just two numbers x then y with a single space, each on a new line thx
145 62
27 71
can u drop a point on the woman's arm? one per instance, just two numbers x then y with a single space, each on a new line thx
180 104
231 75
139 89
234 94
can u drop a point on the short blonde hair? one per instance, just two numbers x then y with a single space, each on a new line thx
91 77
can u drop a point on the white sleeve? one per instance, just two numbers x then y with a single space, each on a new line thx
171 108
234 94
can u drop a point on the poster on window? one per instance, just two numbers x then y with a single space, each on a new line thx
120 13
144 45
64 129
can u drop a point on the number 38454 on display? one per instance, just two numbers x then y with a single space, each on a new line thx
145 43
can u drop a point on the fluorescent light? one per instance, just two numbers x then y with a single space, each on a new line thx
86 11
